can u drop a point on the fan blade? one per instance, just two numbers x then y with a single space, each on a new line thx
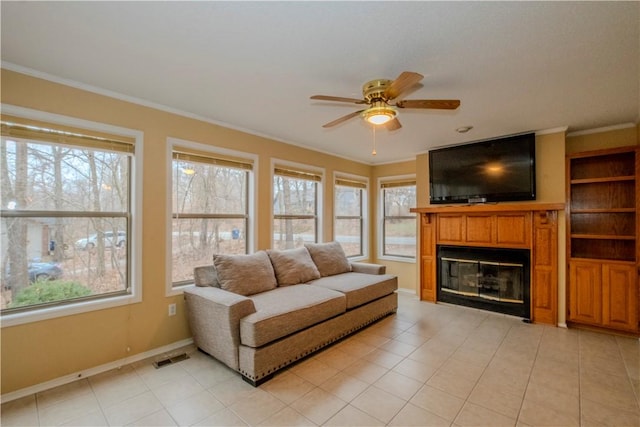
338 99
393 124
439 104
402 83
342 119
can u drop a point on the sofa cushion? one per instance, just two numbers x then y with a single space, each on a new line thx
329 258
283 311
293 266
359 288
245 274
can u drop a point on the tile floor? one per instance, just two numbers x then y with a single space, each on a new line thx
427 365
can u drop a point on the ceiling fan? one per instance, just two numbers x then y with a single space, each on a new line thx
377 94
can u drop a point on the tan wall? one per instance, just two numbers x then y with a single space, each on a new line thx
605 139
41 351
550 188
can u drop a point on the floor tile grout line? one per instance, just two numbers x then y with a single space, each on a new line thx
580 397
524 396
387 369
102 409
483 371
407 401
361 358
628 373
424 383
372 384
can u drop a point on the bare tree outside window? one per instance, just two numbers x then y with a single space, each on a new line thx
399 224
349 219
295 209
64 218
210 212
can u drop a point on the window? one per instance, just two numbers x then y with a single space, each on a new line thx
210 199
295 207
66 216
350 199
399 224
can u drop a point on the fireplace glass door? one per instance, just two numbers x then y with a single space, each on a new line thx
489 280
484 278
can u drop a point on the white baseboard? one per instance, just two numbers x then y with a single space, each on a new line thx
409 292
27 391
563 325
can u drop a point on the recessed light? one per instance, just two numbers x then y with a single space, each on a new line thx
464 129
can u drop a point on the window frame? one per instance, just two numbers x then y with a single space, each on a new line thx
303 169
213 152
134 262
382 182
362 183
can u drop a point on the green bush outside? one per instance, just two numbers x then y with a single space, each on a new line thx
48 291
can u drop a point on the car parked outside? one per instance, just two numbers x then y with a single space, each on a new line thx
44 271
40 271
111 239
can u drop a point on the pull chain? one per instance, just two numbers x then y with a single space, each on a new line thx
373 153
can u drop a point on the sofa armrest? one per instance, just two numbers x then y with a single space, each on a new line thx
214 317
368 268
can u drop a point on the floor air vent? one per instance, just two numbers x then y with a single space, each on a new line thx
170 360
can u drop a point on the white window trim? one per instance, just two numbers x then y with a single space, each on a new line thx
213 150
380 225
320 196
135 266
365 211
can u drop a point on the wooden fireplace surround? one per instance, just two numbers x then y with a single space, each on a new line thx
532 226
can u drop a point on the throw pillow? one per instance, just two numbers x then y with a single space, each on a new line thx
329 258
293 266
245 274
206 276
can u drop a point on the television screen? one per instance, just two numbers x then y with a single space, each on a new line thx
496 170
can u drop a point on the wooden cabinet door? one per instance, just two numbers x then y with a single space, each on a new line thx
513 229
450 228
585 292
620 296
479 229
428 257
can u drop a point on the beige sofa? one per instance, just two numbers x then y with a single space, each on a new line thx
258 313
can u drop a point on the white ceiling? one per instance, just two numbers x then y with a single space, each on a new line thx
515 67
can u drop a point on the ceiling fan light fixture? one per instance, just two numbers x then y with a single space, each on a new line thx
378 93
379 114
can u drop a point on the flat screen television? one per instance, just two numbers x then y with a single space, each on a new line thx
496 170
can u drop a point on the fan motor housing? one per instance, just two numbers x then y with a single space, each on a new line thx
374 90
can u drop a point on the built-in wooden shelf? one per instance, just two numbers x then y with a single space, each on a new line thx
607 179
602 236
603 250
600 210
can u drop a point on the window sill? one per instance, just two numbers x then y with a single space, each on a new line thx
37 315
178 290
397 259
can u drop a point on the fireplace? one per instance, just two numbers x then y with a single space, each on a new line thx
495 279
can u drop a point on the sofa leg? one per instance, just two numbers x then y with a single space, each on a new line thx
259 382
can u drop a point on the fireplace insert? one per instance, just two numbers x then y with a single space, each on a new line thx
494 279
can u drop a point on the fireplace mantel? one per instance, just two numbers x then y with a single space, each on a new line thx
532 226
495 207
